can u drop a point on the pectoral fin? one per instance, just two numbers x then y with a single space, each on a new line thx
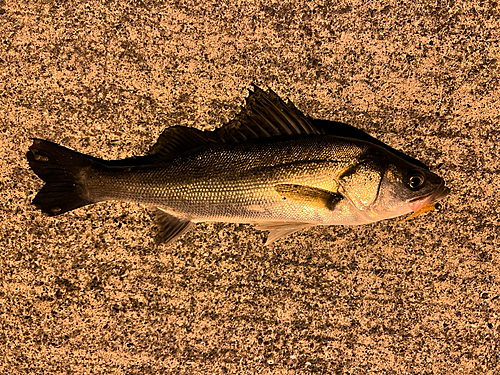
171 228
309 196
278 229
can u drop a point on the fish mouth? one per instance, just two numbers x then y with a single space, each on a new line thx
437 194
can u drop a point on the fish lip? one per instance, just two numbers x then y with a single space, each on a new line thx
439 193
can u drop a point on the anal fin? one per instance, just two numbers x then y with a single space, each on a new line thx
278 230
171 228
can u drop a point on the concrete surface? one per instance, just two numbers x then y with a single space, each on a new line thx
87 292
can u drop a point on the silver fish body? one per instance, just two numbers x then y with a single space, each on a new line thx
271 166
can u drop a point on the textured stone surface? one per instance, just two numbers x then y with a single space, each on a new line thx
87 292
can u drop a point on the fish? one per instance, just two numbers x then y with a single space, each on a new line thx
271 166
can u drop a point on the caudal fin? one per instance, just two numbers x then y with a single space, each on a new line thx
61 169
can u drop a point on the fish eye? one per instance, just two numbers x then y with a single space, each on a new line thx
416 180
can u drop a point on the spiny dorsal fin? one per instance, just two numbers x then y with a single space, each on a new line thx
265 115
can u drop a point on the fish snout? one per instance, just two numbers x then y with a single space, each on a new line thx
437 194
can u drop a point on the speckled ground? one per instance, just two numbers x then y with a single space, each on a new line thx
88 292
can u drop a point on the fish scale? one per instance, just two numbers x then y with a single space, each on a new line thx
228 192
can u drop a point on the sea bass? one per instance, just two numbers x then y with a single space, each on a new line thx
271 166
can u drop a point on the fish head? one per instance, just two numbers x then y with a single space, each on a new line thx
385 186
406 188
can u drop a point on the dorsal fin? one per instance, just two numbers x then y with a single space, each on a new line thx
265 115
174 141
178 140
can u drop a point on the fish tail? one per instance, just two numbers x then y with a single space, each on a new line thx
61 169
